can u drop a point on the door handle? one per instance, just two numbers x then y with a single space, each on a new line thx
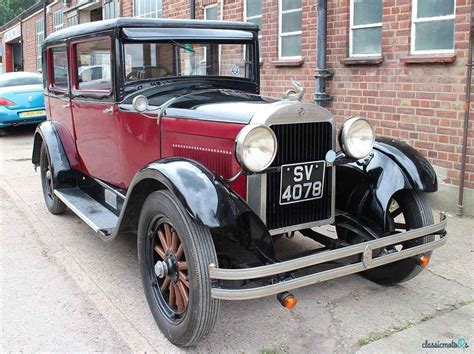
108 110
67 105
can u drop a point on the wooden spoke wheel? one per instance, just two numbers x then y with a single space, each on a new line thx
171 269
175 253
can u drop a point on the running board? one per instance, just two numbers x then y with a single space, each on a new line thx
94 214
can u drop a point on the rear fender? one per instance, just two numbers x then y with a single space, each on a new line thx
63 174
208 201
365 187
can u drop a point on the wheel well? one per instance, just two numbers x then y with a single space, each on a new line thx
35 158
135 201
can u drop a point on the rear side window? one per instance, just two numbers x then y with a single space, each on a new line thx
94 65
59 76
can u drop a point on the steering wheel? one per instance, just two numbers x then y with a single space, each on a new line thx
140 73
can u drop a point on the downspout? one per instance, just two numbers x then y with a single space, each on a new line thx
45 18
192 6
321 72
467 111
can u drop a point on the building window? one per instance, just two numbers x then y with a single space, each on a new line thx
111 9
210 12
365 28
289 29
58 20
73 20
148 8
432 29
39 42
253 13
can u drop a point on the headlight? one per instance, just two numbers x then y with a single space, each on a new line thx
255 147
357 137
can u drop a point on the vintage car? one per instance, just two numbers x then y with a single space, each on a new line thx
170 140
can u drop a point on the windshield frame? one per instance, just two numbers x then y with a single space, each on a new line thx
254 56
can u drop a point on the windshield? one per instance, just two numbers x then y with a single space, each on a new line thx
160 60
16 80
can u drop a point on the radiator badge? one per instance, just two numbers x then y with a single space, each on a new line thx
301 112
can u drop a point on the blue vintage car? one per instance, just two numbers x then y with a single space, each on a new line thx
21 99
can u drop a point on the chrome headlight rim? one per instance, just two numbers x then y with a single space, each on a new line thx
344 136
239 146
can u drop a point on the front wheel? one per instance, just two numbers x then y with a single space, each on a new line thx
407 210
174 254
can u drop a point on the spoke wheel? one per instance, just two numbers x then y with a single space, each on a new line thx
171 281
174 253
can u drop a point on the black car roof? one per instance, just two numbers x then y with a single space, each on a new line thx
123 22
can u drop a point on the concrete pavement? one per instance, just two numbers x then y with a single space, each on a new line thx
63 289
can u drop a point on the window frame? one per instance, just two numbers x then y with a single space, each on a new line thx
74 81
39 52
415 20
107 6
143 15
58 15
288 34
260 34
210 6
52 88
353 27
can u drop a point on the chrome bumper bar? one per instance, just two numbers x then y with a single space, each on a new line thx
364 249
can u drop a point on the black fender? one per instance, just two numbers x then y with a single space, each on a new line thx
47 134
365 187
209 201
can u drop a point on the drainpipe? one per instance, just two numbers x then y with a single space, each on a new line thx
467 111
321 72
45 18
192 5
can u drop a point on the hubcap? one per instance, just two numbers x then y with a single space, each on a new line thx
171 269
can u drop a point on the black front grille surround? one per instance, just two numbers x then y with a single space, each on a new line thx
300 142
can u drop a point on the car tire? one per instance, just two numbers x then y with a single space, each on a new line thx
53 203
416 211
163 218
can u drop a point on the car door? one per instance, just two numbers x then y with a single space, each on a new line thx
94 109
57 99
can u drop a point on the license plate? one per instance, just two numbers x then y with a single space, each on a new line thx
31 114
301 182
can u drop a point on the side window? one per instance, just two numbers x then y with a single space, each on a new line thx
94 65
365 28
58 68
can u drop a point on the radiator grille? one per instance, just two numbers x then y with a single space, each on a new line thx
299 143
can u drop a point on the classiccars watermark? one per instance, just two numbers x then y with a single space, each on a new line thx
460 343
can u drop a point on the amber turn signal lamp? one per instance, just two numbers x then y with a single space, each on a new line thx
424 260
287 300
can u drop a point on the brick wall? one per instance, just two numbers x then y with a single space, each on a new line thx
420 103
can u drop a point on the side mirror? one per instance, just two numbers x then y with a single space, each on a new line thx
140 103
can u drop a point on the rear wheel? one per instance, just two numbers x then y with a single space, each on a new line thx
53 203
175 254
407 210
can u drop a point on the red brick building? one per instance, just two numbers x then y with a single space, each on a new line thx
401 63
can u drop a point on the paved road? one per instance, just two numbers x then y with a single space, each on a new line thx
65 290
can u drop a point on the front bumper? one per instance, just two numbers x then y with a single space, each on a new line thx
364 250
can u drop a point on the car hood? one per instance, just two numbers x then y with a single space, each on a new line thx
217 105
24 96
